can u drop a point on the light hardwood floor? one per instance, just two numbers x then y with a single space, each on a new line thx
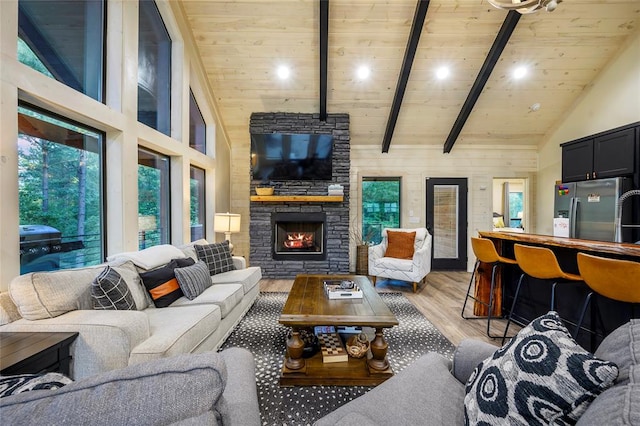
440 300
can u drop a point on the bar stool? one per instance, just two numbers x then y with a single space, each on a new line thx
612 278
541 263
485 252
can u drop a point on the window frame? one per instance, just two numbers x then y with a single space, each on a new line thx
379 207
164 206
169 83
102 152
202 200
100 91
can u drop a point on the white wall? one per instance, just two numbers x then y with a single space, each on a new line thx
612 100
118 119
480 164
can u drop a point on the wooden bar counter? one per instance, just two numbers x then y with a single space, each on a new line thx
605 316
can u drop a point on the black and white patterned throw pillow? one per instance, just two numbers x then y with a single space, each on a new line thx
110 291
542 376
217 256
194 279
12 385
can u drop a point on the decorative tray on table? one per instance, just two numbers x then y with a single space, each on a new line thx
342 289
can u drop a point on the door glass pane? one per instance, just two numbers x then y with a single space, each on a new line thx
60 195
380 207
445 221
153 198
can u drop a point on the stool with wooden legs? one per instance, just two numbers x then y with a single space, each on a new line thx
485 252
540 263
612 278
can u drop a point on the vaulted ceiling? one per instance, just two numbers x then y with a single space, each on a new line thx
241 44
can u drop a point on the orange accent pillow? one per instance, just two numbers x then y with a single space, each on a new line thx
400 244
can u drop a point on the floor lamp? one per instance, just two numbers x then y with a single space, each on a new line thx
227 223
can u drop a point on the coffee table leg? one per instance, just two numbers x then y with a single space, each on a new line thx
379 351
295 348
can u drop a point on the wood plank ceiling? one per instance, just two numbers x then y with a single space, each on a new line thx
242 43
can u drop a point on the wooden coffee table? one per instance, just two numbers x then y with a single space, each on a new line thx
307 306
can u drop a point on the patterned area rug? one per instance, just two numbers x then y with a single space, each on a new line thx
260 333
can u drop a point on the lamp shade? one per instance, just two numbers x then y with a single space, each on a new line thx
226 222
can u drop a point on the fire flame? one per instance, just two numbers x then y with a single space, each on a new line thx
299 240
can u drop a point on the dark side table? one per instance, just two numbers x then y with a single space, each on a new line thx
42 352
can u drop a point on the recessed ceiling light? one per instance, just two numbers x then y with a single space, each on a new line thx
535 107
442 73
363 72
283 72
519 72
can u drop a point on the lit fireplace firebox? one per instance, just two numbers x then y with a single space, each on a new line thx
299 240
298 236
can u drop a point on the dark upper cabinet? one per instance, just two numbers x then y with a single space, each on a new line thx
615 154
577 160
607 154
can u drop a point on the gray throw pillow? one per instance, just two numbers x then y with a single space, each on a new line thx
217 256
194 279
542 376
110 291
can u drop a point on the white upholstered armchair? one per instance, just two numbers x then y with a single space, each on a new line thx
412 269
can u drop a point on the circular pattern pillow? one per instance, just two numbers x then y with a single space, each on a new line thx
542 376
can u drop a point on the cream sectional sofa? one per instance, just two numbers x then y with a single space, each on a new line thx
108 340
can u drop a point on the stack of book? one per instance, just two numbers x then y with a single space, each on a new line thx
342 289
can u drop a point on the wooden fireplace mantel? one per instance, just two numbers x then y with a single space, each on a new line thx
300 198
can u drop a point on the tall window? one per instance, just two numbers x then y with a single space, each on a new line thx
197 210
64 40
197 127
154 69
153 199
60 175
380 207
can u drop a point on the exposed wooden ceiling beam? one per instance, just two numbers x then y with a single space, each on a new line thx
490 61
407 62
324 53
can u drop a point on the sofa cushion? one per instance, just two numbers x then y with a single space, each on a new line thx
194 279
248 277
394 264
13 385
109 291
400 244
151 257
161 392
425 392
175 331
217 256
622 346
619 405
8 310
226 296
129 272
542 376
190 250
40 295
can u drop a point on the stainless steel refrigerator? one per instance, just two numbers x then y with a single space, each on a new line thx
588 210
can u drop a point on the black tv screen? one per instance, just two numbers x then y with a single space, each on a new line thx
283 156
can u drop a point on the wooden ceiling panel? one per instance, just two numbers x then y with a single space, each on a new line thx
242 42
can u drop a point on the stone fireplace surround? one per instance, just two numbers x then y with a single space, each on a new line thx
261 246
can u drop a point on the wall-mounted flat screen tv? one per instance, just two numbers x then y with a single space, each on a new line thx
283 156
